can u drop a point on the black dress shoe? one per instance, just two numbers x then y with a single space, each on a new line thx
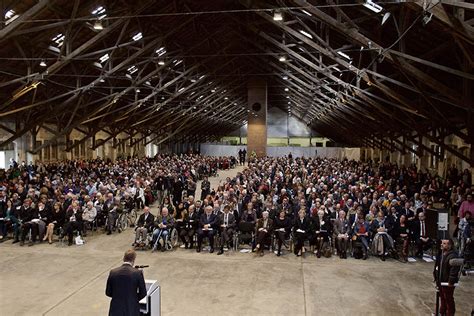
220 252
186 246
15 241
22 243
278 254
212 250
109 232
198 249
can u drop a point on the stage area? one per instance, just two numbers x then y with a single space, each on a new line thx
61 280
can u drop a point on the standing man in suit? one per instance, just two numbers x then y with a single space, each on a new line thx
227 225
126 287
207 226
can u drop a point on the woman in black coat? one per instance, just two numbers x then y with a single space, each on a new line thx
301 228
282 226
58 217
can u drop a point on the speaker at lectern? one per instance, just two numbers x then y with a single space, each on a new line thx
150 305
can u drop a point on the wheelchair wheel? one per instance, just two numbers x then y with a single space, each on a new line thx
173 238
132 217
122 222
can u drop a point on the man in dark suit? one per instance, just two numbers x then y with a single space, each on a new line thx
207 227
126 287
420 235
144 225
227 225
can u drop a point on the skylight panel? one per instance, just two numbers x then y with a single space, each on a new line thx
59 39
137 36
10 16
99 12
104 58
131 70
161 51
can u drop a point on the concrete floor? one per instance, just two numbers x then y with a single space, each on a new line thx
54 280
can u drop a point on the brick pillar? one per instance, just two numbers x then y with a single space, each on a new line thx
257 126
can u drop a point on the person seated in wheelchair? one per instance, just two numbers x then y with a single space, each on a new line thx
361 234
144 225
113 214
301 229
382 243
226 228
163 224
188 226
128 202
281 227
208 225
319 230
263 232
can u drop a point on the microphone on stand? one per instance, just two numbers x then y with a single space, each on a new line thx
141 267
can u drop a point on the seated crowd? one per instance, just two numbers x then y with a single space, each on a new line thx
376 209
38 201
364 208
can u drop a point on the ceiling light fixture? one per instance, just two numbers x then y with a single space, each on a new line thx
277 16
104 58
98 25
161 51
137 36
369 4
344 55
43 63
306 34
161 62
286 89
285 77
385 17
282 59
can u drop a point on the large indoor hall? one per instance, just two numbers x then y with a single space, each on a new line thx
236 157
